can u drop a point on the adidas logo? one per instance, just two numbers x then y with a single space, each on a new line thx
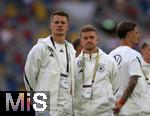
51 55
61 50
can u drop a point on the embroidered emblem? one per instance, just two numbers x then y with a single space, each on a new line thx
80 63
50 49
101 68
118 59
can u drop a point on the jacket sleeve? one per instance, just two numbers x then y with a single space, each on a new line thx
32 67
114 77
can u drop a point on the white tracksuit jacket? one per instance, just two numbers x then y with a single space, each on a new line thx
146 72
105 85
42 71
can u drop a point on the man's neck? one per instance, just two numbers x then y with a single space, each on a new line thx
90 51
59 39
125 42
147 60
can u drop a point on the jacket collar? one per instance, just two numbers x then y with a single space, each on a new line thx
99 50
48 41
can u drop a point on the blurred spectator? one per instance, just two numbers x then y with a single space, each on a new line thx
11 11
3 84
40 11
6 35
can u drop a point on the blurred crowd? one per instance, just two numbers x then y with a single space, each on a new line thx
22 22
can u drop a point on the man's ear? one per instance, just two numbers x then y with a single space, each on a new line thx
142 51
98 40
128 35
68 27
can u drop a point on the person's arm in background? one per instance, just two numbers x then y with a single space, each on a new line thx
134 71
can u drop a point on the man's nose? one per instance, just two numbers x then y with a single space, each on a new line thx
88 39
60 24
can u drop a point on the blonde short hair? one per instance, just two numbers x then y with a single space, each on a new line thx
87 28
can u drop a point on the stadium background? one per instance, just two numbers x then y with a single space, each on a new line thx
22 22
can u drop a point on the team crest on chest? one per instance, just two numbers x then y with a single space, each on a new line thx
50 49
80 63
101 68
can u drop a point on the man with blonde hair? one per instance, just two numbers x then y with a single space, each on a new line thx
96 79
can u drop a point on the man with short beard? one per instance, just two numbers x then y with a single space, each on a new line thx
96 79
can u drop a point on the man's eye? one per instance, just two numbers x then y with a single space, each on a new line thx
62 22
56 22
85 38
91 37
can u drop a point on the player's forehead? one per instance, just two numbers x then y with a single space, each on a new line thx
88 33
59 18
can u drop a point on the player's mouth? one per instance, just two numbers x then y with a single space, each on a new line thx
60 30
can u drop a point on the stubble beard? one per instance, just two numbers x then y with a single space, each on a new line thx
89 48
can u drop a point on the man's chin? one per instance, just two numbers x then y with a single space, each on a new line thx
60 34
89 49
